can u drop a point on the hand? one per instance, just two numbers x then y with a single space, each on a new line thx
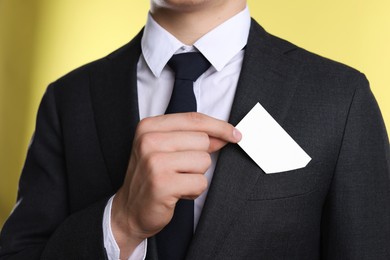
169 157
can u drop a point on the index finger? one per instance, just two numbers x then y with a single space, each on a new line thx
191 121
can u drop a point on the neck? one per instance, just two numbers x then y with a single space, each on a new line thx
190 23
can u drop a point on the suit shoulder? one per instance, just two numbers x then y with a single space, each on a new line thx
312 64
316 65
102 67
81 74
328 80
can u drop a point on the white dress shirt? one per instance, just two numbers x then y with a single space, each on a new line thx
214 90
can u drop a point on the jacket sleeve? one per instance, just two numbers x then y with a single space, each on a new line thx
356 218
41 220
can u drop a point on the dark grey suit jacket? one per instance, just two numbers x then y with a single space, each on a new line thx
338 207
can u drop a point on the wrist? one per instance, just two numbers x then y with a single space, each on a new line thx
126 239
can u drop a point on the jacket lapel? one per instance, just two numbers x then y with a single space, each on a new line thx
115 105
269 77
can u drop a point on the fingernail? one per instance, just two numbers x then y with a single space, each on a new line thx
237 135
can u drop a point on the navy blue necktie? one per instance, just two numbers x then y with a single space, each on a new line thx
174 239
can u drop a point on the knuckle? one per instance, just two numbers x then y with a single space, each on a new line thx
156 178
155 181
205 158
201 184
154 163
228 130
147 143
205 140
195 117
144 124
208 158
157 159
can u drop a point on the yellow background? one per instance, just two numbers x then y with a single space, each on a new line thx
40 40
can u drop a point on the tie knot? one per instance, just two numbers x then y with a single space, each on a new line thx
188 66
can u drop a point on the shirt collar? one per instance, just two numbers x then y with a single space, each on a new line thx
219 45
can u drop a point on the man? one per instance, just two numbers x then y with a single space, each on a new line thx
82 197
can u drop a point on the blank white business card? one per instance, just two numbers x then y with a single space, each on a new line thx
268 144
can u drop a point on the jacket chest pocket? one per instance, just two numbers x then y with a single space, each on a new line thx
287 184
